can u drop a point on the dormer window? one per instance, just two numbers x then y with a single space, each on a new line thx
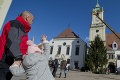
114 45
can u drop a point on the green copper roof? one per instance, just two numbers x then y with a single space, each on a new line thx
97 7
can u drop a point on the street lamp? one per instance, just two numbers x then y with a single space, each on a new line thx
116 66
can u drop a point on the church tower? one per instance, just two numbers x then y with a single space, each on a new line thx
97 27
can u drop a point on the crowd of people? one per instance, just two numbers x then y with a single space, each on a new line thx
54 65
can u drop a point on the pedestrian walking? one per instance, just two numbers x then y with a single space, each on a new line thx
63 65
107 71
13 42
55 66
68 67
51 64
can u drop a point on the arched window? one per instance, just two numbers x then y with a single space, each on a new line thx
77 50
68 50
59 49
114 45
51 49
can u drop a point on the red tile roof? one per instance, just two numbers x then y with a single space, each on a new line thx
68 33
110 38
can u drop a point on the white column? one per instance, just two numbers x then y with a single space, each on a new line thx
4 7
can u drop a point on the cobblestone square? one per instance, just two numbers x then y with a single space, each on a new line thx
77 75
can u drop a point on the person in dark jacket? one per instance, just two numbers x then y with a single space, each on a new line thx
55 66
13 42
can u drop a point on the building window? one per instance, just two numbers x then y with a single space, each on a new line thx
68 50
76 64
77 41
97 31
114 45
111 56
51 49
64 43
77 50
59 49
118 57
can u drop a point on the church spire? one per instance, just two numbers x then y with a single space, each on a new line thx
97 5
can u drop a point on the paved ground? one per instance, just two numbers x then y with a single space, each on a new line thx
77 75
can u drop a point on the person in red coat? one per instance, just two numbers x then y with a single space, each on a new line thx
13 42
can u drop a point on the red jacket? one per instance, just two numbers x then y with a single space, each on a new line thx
14 37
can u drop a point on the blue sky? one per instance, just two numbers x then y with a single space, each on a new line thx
51 17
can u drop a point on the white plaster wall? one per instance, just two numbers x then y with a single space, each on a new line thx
118 61
69 42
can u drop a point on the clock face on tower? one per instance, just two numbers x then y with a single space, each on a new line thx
96 19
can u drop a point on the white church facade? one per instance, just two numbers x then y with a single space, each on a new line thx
69 45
